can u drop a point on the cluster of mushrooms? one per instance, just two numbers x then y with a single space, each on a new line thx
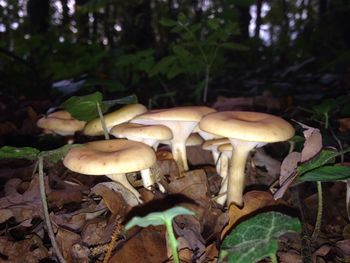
229 134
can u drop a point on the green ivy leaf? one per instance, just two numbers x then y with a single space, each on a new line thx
84 107
327 174
10 152
158 218
256 238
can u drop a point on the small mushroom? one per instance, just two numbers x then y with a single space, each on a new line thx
148 134
246 130
60 122
113 158
124 114
212 145
181 121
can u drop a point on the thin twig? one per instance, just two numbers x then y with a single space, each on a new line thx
46 210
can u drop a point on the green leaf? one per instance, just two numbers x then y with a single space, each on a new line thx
181 52
325 106
174 71
256 238
324 157
234 46
83 107
158 218
10 152
167 22
213 24
327 174
162 65
56 155
125 100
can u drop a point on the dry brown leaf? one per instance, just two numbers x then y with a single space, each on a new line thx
64 196
321 252
197 156
30 250
65 240
289 257
146 245
344 247
115 196
211 253
193 185
344 124
80 253
253 201
97 232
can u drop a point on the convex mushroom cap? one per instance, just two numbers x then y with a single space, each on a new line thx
60 122
181 121
149 134
112 158
246 130
124 114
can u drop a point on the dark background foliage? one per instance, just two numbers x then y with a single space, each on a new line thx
171 52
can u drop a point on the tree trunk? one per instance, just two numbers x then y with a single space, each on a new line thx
258 18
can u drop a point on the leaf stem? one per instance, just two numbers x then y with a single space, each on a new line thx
172 240
319 212
46 210
102 119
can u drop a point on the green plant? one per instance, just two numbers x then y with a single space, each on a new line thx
197 50
91 106
162 218
256 238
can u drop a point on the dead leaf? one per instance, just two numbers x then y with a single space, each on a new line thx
29 250
253 201
211 254
64 196
197 156
146 245
260 158
115 197
344 124
289 257
321 252
65 240
193 185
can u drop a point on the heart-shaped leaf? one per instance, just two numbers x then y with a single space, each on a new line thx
327 174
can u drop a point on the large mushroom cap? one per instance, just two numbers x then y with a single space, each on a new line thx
247 126
110 157
134 130
61 122
124 114
186 113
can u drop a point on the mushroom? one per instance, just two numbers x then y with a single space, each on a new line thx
245 130
113 158
124 114
181 121
60 122
212 145
148 134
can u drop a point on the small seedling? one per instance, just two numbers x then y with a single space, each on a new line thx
162 218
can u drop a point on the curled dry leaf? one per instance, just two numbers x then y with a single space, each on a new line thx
116 197
289 257
253 201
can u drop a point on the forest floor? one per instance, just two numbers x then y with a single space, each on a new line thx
87 211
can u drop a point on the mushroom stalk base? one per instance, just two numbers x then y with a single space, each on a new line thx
180 155
123 180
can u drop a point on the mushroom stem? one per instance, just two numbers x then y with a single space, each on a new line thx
178 150
147 178
236 177
122 179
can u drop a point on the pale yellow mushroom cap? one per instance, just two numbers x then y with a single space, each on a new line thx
186 113
61 122
247 126
124 114
214 143
134 130
107 157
